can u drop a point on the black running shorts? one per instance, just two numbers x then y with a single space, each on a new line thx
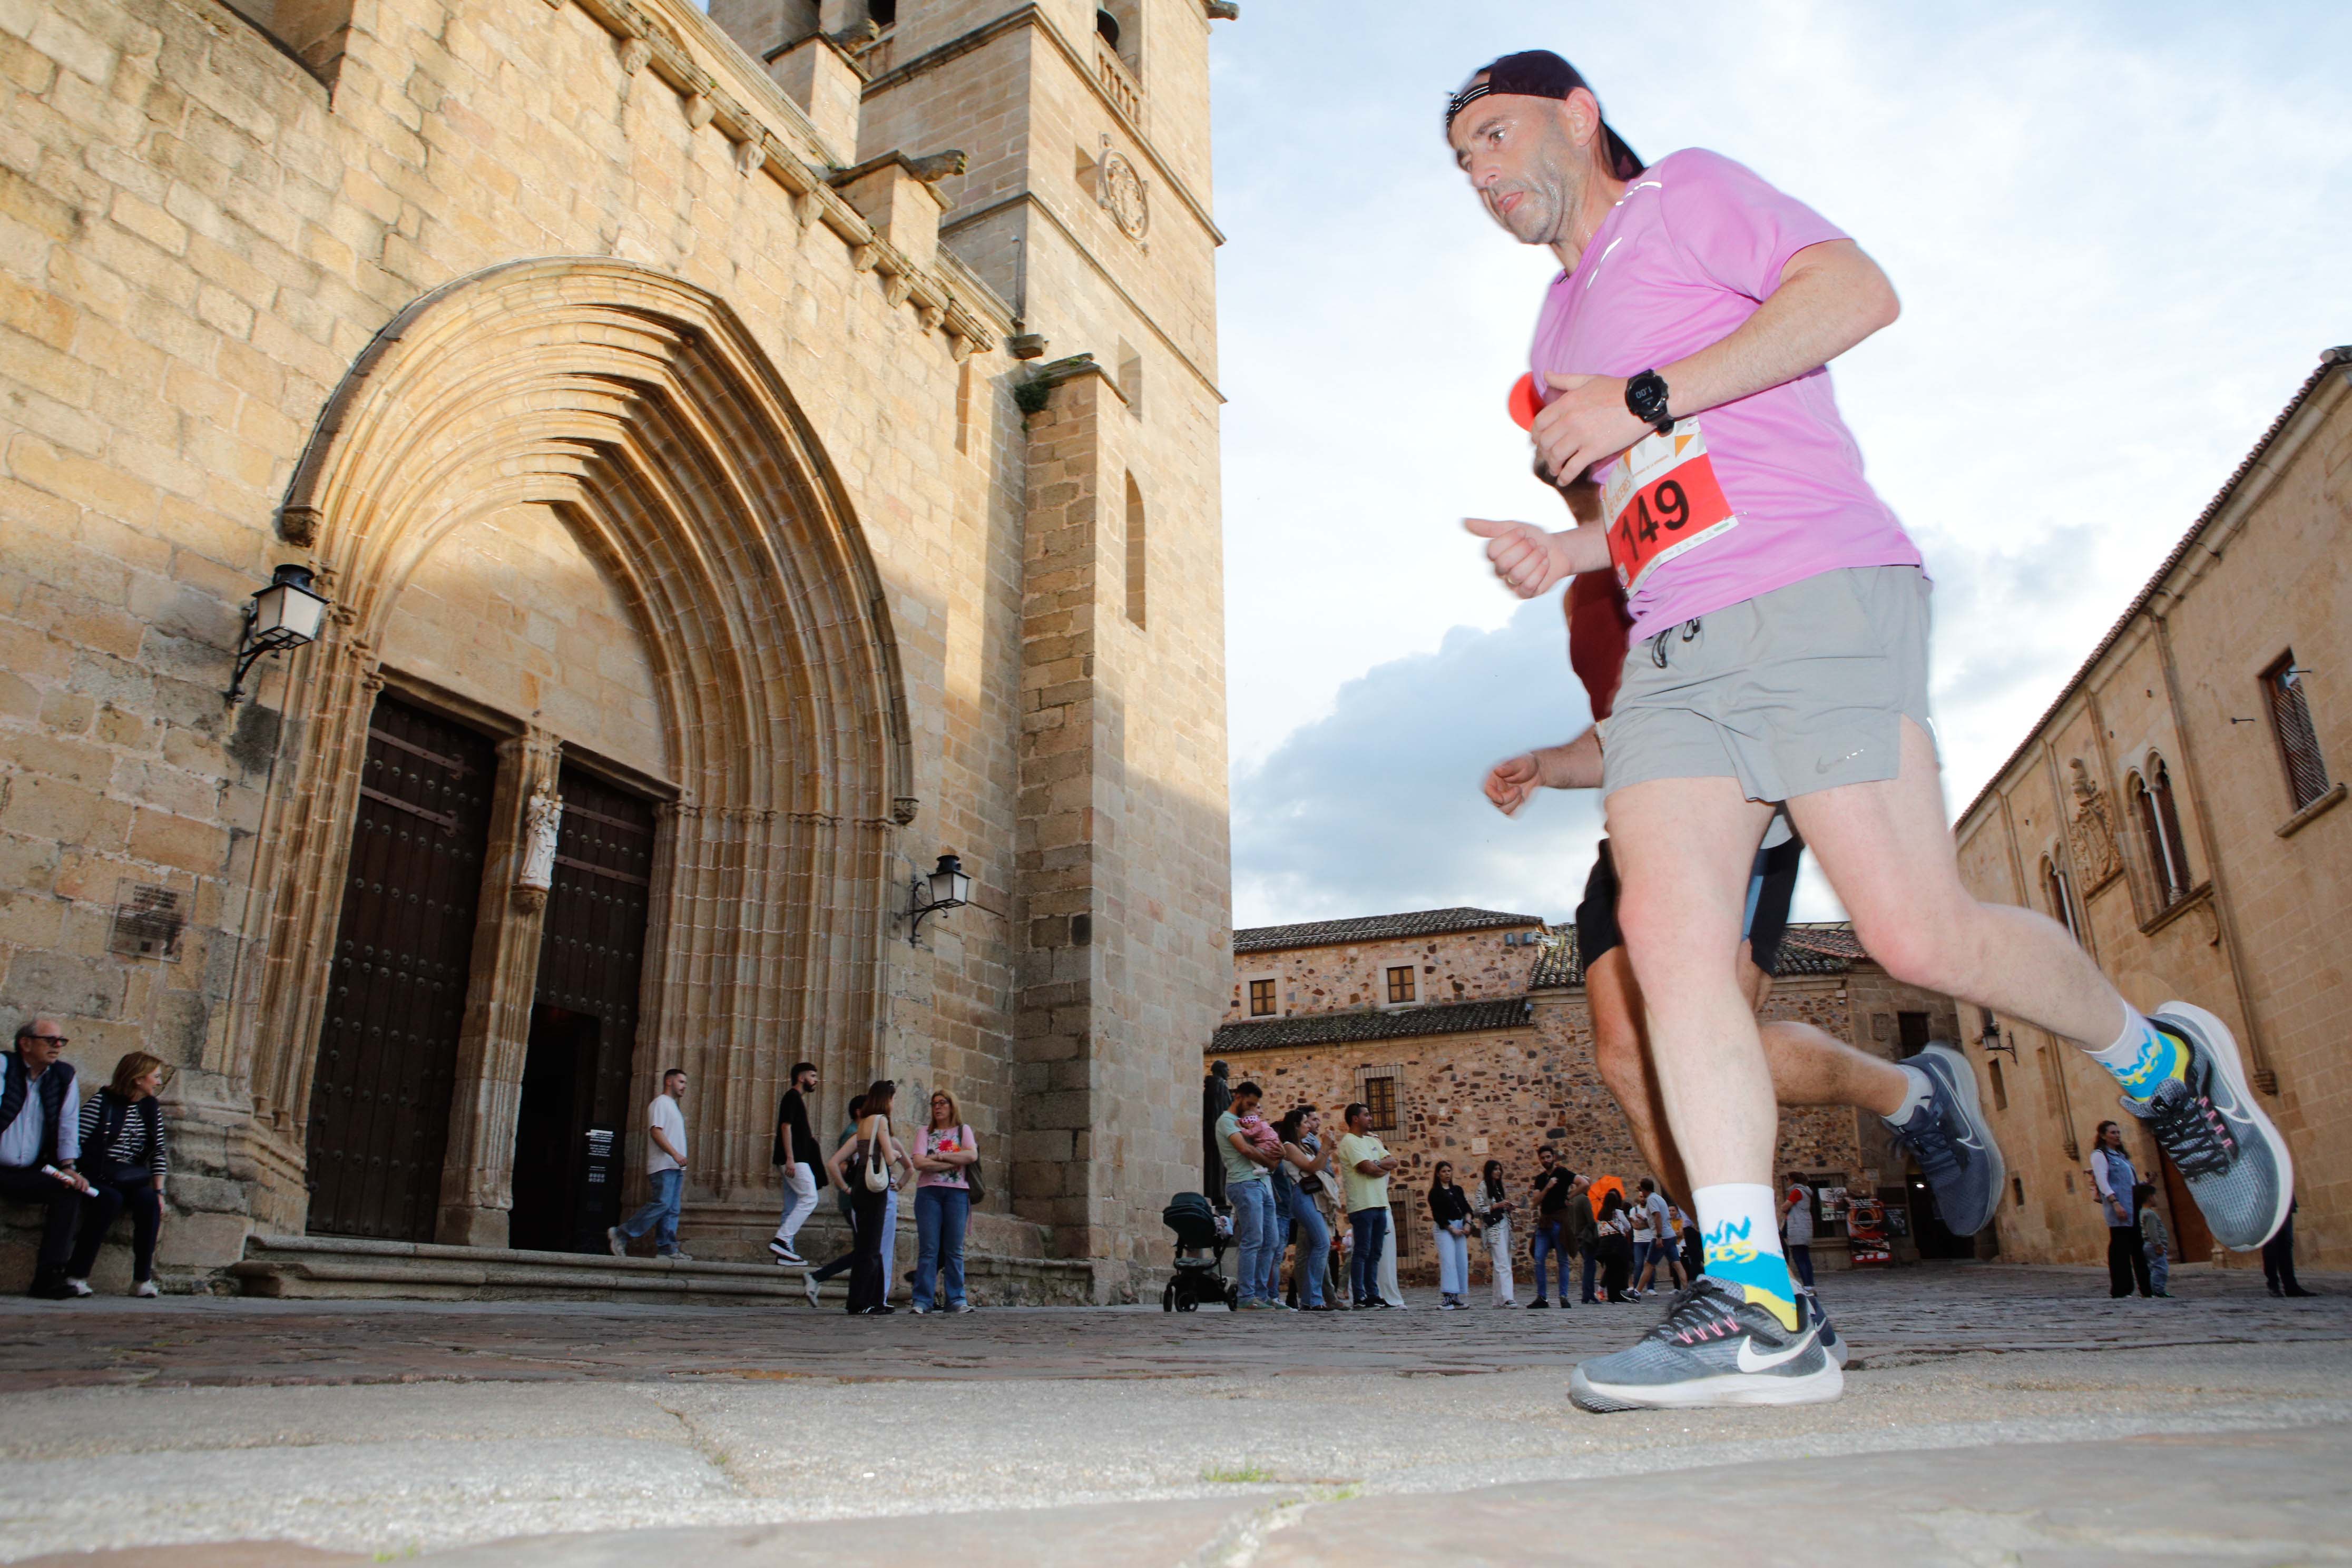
1771 884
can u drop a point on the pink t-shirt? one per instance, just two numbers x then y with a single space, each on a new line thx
1685 258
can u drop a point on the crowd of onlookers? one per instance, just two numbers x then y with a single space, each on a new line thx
1318 1208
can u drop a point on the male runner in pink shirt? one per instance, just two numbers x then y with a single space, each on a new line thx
1781 619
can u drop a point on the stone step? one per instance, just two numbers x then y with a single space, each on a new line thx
345 1267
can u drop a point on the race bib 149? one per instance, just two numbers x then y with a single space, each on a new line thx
1662 500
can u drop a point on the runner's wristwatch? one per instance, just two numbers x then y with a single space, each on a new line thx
1645 399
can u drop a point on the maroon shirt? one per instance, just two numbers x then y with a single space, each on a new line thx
1597 624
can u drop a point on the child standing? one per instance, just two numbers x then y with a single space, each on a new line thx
2154 1237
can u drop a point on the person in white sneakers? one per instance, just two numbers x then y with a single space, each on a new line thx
797 1154
664 1173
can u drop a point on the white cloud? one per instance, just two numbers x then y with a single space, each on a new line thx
2117 231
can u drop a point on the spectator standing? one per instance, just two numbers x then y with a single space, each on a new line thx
1365 1165
1494 1206
1216 1099
815 1277
1665 1241
1580 1231
1250 1190
944 1155
664 1173
2155 1238
798 1155
1616 1247
1555 1184
2111 1173
1797 1228
40 1143
124 1159
2278 1257
1306 1165
873 1144
1449 1218
1645 1235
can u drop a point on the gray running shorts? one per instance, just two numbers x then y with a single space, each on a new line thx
1799 690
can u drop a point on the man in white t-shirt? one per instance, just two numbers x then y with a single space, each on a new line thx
1665 1239
1797 1227
664 1173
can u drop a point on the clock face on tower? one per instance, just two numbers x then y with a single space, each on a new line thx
1123 193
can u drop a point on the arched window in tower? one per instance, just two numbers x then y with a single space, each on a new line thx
1136 552
2061 897
1119 23
882 13
1107 26
2168 821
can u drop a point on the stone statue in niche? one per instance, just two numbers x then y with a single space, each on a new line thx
543 824
2091 834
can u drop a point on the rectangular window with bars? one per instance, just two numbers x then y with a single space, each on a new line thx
1400 983
1261 998
1379 1097
2307 769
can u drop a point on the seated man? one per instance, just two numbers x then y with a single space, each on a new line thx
40 1133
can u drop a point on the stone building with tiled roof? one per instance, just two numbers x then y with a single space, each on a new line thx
1467 1032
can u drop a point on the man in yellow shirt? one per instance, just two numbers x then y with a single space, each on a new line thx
1365 1163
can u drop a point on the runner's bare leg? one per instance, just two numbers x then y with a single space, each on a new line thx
1887 851
1808 1067
1683 847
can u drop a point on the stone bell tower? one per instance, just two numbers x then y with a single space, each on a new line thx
1082 201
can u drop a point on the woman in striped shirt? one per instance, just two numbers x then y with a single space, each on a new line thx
124 1160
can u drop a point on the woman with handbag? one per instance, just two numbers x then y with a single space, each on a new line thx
124 1161
1449 1215
947 1165
1490 1203
1304 1173
868 1166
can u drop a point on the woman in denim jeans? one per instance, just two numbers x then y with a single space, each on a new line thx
942 1206
1305 1161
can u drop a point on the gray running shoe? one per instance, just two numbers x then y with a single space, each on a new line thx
1712 1348
1952 1141
1832 1340
2234 1161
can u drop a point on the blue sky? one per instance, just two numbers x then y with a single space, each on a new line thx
2120 235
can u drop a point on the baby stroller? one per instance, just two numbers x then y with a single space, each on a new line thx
1201 1238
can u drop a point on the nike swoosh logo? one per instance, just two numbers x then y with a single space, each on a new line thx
1750 1361
1824 767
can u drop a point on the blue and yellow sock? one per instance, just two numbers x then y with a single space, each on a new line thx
1742 1238
2144 1055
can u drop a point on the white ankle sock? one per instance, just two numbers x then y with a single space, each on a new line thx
1922 1089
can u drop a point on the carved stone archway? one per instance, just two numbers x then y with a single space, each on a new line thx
640 407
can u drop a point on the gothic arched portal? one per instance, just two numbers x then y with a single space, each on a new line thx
639 408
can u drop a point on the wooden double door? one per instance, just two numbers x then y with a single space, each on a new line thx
386 1080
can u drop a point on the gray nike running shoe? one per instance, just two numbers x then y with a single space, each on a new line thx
2234 1161
1832 1340
1713 1347
1952 1141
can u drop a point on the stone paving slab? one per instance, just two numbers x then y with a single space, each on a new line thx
324 1430
1889 1318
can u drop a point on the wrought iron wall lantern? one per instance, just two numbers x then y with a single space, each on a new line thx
1991 1039
947 887
285 616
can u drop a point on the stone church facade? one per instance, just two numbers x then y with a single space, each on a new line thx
787 437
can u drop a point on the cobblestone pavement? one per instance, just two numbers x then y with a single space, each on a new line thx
1992 1415
1891 1318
